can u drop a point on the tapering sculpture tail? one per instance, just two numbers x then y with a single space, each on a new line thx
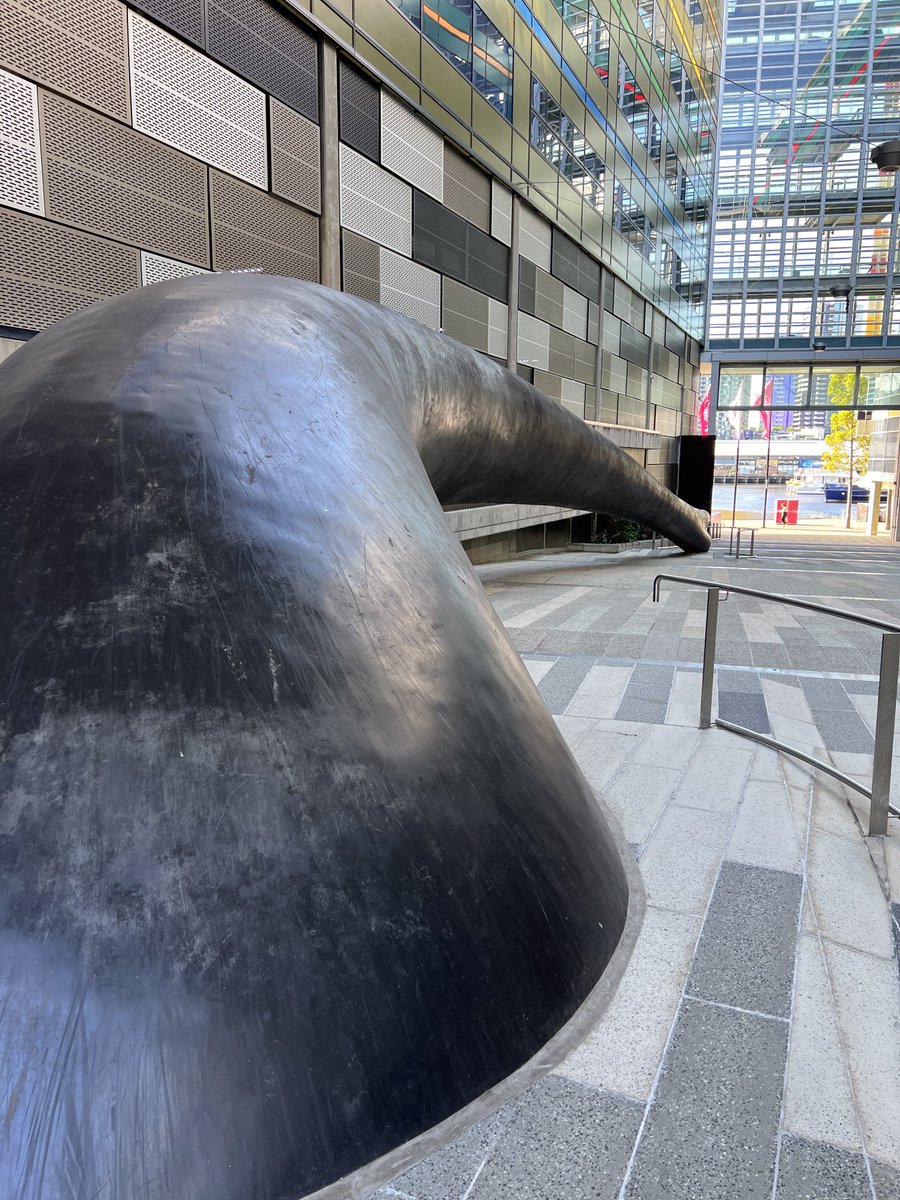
296 863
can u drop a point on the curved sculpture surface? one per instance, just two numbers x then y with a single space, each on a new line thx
294 861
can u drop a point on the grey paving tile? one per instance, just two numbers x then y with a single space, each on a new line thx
562 681
814 1171
565 1139
680 862
739 681
525 640
446 1174
651 712
895 927
744 708
624 1051
746 952
843 730
861 687
622 645
768 654
829 694
711 1132
886 1180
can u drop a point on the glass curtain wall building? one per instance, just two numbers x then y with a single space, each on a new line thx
533 178
804 308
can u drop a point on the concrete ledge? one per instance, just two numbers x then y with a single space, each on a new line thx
469 523
618 547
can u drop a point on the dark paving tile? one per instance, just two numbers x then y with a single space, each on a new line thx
740 681
813 659
592 643
562 681
446 1174
650 682
565 1140
734 652
768 654
814 1171
843 730
829 694
649 712
711 1132
625 646
524 639
861 687
559 641
647 696
745 709
746 951
887 1181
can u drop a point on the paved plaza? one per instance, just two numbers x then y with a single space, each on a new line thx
752 1050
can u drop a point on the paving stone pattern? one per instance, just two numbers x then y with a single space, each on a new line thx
752 1050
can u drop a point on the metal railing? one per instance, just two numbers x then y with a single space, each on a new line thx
879 794
751 553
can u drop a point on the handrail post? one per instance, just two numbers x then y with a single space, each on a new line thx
709 657
884 734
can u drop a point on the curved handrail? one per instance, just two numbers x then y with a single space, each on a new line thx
880 791
885 626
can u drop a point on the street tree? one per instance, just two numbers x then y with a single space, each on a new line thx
846 450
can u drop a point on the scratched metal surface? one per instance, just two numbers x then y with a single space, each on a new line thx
294 862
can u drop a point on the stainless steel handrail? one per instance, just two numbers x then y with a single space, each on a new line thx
879 794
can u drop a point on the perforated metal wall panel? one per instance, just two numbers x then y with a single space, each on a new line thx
548 298
410 148
183 98
187 18
575 266
447 243
264 43
550 385
534 237
498 328
562 353
106 178
572 396
359 111
527 285
253 229
155 268
585 361
361 267
487 264
533 348
20 162
48 271
375 203
466 315
440 238
76 47
411 289
575 313
296 172
501 213
593 328
467 191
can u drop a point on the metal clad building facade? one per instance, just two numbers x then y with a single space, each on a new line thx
532 179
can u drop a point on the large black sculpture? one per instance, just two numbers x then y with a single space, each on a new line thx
294 862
